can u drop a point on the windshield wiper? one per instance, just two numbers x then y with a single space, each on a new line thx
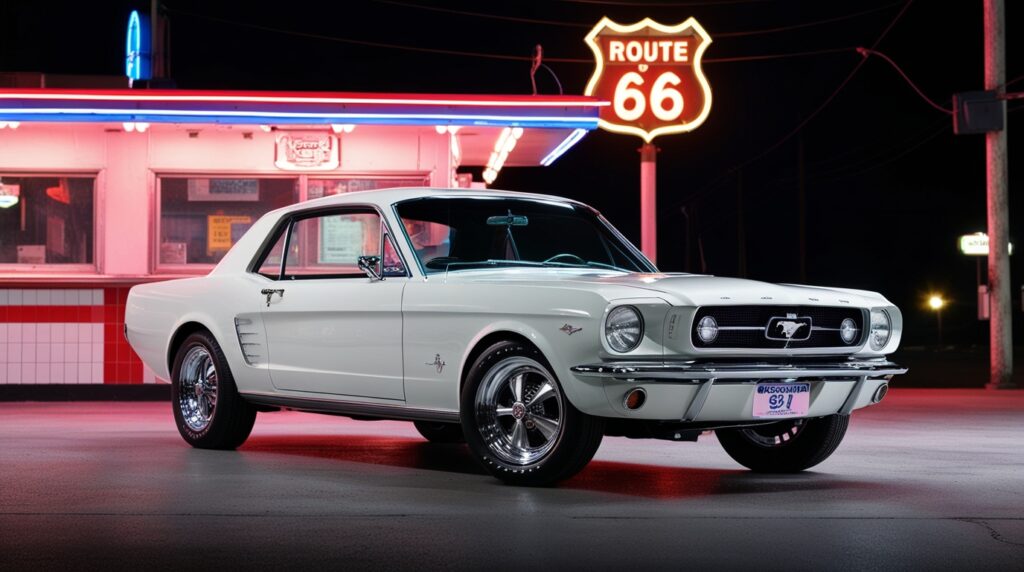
588 264
491 262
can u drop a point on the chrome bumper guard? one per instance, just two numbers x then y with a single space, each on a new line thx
702 371
708 374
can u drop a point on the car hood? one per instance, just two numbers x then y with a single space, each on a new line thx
675 288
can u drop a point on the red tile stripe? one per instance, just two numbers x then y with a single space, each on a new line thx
120 363
52 314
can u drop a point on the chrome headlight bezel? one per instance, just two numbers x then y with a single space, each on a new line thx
880 329
707 330
616 325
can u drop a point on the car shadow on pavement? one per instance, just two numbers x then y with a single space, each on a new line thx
635 479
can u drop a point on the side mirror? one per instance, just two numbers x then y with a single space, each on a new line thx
369 265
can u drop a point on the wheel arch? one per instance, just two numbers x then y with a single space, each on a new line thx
183 331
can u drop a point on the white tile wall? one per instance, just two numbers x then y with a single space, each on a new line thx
51 353
55 297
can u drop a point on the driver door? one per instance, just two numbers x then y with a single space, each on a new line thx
332 329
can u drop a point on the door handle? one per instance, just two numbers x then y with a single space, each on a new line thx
269 293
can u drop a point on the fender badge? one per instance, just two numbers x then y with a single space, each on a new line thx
569 330
437 363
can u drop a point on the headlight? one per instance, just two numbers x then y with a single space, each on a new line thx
880 329
624 329
707 329
848 331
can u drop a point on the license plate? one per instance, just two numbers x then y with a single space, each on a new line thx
782 399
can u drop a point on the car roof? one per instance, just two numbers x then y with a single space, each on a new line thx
388 197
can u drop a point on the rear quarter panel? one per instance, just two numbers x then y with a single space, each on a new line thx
155 312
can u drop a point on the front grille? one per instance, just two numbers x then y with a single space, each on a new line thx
753 320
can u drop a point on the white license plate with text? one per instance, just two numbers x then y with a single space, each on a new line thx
782 399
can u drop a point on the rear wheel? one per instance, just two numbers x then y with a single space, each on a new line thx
208 410
519 424
785 446
440 432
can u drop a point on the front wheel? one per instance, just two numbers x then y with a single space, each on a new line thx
519 424
785 446
208 410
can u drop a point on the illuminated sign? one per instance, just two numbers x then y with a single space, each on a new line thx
137 47
9 195
651 73
977 244
307 152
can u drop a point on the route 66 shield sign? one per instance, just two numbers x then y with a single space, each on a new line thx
652 76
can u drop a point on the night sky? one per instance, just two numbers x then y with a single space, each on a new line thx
889 187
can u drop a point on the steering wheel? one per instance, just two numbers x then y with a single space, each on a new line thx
575 258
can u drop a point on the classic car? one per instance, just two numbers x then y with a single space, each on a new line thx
522 324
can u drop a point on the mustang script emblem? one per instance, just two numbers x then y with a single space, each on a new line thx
569 330
437 363
788 328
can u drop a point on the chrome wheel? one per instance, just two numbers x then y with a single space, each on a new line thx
197 391
774 434
519 411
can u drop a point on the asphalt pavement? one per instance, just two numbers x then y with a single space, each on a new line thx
926 480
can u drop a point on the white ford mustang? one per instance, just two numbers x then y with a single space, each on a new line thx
525 325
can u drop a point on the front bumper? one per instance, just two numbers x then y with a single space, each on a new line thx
698 371
693 391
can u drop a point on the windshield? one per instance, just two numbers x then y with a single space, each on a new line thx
454 233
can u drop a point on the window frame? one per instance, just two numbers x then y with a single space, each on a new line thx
288 221
88 268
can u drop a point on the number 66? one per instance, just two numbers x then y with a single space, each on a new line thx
663 90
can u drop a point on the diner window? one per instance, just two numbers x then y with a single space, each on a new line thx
46 220
202 217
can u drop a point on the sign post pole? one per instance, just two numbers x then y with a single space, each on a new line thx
648 201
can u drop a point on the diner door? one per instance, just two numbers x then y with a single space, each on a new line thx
331 328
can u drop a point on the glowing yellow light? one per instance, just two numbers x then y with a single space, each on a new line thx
935 302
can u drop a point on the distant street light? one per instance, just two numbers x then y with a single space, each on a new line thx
936 303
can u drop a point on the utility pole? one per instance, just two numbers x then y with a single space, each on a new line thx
741 235
802 208
1000 324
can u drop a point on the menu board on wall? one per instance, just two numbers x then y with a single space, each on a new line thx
220 231
341 240
223 189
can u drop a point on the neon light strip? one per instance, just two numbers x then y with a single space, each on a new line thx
167 116
284 99
562 147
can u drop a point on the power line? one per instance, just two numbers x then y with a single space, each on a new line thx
665 4
485 15
800 125
580 25
467 53
866 52
805 24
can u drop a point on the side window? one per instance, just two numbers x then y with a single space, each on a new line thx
330 245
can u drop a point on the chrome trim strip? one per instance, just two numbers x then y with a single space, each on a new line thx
692 371
352 408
